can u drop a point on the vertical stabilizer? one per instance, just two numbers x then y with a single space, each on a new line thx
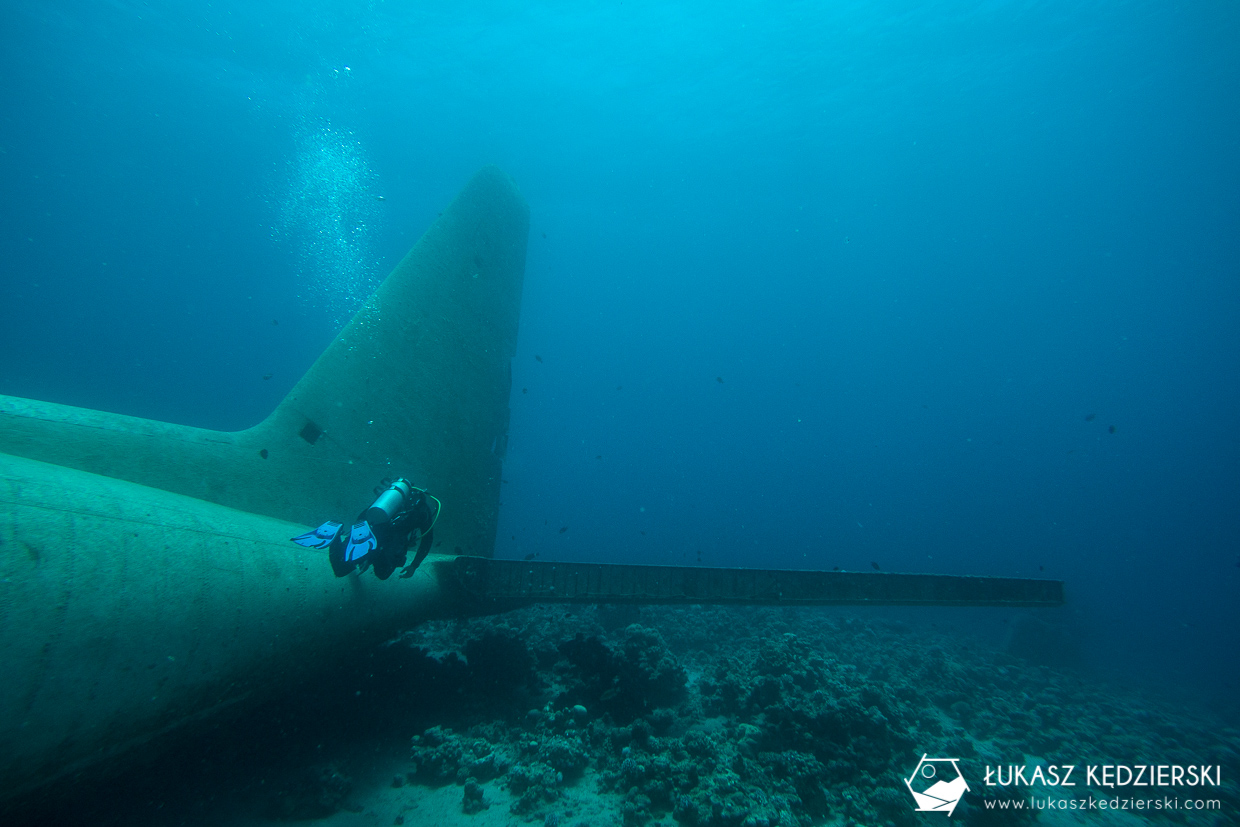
416 385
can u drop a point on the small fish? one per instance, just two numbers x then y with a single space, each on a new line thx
539 358
380 198
564 529
525 390
719 379
875 565
835 568
275 321
544 235
600 456
503 481
644 534
266 376
531 556
1041 568
1090 417
263 453
1110 429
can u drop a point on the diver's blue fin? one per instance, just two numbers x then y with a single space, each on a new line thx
321 537
361 542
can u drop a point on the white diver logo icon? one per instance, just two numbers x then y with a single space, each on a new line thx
939 785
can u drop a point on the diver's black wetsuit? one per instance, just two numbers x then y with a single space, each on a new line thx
394 535
401 514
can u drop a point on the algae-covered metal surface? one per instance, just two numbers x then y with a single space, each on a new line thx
128 612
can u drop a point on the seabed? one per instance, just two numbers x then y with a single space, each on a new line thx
711 716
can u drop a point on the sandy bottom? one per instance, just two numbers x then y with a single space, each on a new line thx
377 802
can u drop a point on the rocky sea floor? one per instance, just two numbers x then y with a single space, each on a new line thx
725 717
683 717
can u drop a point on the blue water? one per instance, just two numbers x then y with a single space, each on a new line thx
968 271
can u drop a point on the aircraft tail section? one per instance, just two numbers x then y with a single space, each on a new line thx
416 385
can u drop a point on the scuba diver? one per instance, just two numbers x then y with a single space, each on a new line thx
401 516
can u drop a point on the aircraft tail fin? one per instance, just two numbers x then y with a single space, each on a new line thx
416 385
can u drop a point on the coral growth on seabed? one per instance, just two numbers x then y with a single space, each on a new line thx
761 717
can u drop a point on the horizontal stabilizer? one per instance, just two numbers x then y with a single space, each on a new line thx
509 583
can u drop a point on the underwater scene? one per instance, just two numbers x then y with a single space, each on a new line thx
624 413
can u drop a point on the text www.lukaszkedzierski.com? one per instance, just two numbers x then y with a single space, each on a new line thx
1091 803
